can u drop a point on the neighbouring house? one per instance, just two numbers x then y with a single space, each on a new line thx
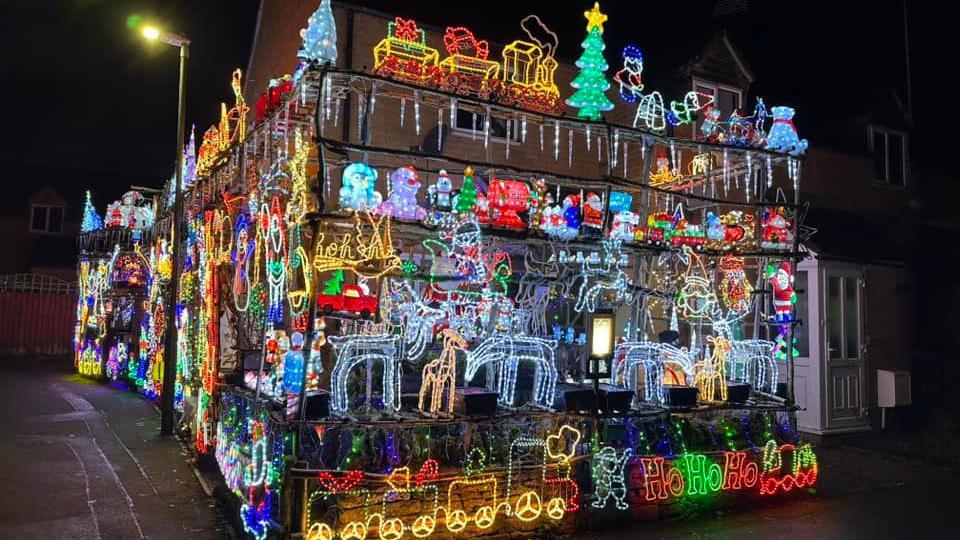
854 292
41 228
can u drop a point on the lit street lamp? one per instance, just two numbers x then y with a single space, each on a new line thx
170 348
600 336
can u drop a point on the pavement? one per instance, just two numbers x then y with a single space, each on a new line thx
81 460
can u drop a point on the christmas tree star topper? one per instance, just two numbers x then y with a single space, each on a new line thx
595 19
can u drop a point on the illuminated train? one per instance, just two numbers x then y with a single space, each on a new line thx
538 487
525 78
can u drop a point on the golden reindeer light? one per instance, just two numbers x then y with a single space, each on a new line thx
710 372
440 375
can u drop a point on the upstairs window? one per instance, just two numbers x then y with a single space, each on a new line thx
725 98
469 122
46 218
889 149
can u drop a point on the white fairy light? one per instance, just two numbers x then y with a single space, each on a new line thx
569 147
486 127
556 140
541 137
416 110
615 147
769 172
439 129
403 110
626 157
588 137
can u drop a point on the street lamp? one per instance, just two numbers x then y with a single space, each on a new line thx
153 33
600 335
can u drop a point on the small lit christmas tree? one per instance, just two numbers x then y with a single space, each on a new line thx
334 285
91 219
468 193
591 82
320 36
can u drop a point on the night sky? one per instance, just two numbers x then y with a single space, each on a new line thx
89 103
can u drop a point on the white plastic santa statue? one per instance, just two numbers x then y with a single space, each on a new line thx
783 295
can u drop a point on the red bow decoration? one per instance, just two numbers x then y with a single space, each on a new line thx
429 472
460 40
334 485
406 29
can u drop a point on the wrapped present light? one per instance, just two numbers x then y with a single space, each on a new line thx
505 199
467 58
404 53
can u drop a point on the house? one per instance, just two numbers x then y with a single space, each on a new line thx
41 226
854 292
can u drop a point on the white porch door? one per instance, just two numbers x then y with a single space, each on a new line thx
844 348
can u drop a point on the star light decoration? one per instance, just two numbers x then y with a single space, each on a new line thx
595 19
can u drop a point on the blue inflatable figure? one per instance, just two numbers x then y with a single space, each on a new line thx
293 365
357 191
783 135
715 229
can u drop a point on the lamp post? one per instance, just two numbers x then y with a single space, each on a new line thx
600 335
170 347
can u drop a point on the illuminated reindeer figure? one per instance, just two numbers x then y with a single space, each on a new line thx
749 360
613 262
711 371
440 375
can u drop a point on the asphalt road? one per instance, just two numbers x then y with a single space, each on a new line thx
80 460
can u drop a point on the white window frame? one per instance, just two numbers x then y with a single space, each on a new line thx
46 225
716 92
886 181
467 132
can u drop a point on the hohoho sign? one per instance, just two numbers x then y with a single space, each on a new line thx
782 468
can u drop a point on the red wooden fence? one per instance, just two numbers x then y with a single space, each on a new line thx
36 315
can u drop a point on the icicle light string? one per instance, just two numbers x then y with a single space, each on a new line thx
343 148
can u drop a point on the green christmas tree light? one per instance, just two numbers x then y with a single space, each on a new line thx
591 83
320 36
334 285
468 193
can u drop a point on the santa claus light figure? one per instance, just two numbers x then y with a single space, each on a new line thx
783 294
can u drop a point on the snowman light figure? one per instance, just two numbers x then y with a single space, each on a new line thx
402 202
357 192
629 78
